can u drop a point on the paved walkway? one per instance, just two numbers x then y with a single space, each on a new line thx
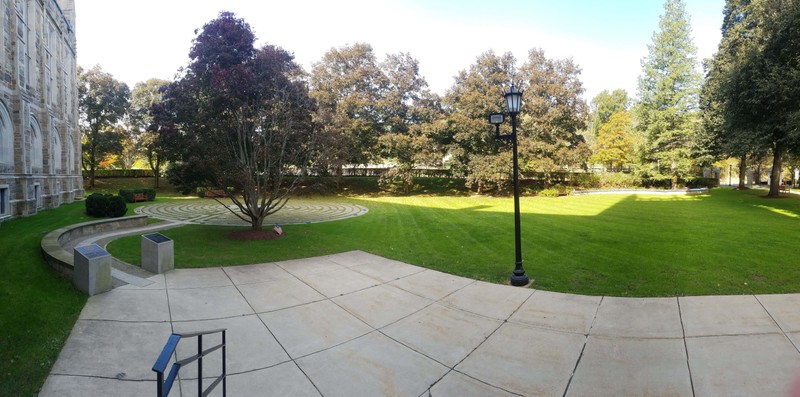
354 324
296 211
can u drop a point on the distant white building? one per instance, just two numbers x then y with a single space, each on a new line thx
40 142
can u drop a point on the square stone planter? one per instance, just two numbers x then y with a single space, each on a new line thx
92 269
158 253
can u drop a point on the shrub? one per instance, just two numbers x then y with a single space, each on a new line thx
396 180
117 206
619 180
127 194
702 182
563 190
97 205
133 173
100 205
550 192
585 180
658 183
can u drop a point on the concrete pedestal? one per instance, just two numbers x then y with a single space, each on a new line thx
92 269
158 253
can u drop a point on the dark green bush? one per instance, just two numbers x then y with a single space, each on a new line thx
117 207
586 180
97 205
658 183
702 182
101 205
127 194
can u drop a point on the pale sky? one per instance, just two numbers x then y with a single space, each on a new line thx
135 40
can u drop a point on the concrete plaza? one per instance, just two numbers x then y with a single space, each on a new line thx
355 324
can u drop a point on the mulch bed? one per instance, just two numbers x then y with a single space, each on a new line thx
247 235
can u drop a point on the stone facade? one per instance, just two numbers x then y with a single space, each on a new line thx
40 141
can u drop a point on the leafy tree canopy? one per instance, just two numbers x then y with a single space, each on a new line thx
102 103
244 119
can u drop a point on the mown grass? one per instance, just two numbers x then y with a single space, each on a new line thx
726 242
38 307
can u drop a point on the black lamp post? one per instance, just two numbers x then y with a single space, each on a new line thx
513 103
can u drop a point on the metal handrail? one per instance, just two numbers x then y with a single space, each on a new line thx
165 385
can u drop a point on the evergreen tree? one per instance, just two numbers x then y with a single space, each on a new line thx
668 97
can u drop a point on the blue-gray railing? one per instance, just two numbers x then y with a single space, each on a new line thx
165 385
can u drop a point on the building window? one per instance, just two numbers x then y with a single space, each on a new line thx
70 155
37 195
36 146
5 205
55 152
6 138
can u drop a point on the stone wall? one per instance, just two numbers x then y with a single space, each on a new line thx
38 107
57 248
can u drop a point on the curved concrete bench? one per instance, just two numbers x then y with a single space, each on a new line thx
61 258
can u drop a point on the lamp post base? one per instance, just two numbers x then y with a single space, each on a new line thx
519 278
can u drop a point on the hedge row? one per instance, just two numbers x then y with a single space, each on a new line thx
134 173
101 205
128 194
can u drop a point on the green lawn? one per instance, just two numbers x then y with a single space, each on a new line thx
727 242
38 307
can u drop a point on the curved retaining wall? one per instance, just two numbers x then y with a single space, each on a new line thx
61 259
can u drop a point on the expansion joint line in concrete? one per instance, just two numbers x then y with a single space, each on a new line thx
685 346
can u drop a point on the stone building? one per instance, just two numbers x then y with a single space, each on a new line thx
40 142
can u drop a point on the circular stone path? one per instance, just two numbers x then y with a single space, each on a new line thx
296 211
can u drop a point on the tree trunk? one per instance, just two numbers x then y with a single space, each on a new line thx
775 178
256 223
742 170
92 163
339 173
156 170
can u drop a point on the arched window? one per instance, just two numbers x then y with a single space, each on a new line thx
55 152
6 138
36 146
70 155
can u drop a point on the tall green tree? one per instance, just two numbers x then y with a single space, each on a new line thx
144 96
408 109
552 116
245 118
668 97
606 104
348 86
103 102
721 134
476 92
754 78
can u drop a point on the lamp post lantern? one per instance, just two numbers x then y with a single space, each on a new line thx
513 104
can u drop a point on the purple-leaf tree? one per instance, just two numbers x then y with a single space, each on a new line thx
244 120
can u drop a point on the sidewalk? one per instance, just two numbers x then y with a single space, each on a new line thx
355 324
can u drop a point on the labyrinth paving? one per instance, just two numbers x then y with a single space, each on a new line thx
212 213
